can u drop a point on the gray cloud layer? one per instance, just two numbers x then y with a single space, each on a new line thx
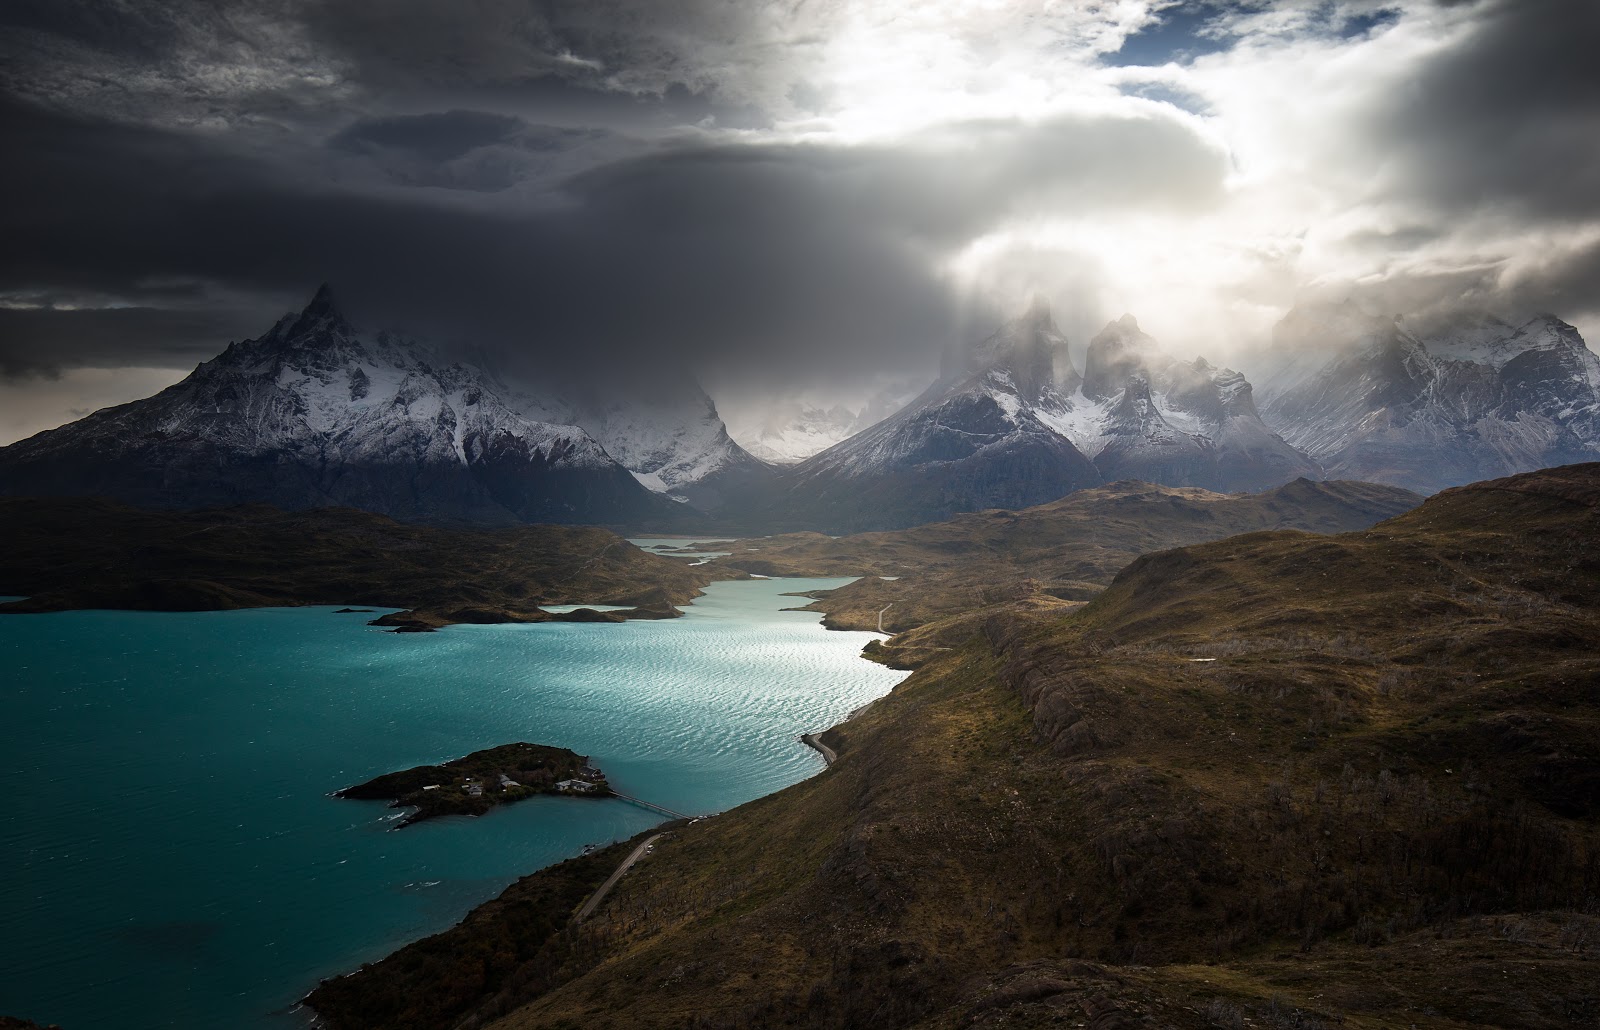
806 252
528 176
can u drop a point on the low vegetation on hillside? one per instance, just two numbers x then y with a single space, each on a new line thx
1066 550
1278 780
503 945
70 554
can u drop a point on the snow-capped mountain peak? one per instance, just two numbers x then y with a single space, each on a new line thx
997 431
1119 350
319 411
1021 356
1474 398
1143 414
1487 340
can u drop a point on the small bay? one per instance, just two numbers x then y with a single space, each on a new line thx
170 856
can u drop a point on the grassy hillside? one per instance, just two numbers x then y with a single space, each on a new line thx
1373 807
505 944
1068 549
68 554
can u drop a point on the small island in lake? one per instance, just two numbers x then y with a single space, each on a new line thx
478 782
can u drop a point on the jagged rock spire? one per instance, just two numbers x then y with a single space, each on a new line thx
1119 350
323 309
322 302
1038 312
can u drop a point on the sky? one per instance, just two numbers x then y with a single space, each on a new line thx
809 193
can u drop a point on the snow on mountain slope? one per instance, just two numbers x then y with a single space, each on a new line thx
317 412
1011 423
790 428
673 441
1140 414
973 440
800 432
1477 399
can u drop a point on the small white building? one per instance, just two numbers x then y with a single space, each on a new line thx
582 786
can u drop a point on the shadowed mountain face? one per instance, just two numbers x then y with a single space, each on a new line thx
1472 400
978 438
1144 415
1011 423
318 412
1279 779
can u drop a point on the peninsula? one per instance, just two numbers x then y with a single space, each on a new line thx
474 784
66 554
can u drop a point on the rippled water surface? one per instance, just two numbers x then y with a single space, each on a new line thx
169 857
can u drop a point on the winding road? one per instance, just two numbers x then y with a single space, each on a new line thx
829 756
611 881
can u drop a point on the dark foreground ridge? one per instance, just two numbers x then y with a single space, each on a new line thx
478 782
14 1023
67 554
1277 780
501 945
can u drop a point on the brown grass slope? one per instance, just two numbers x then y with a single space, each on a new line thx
1374 808
505 942
70 554
1067 549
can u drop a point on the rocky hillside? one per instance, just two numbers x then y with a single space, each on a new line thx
1278 780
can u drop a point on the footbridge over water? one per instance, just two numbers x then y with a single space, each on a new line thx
650 805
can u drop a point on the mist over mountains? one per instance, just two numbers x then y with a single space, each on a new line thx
319 412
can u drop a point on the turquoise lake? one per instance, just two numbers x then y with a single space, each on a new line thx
170 856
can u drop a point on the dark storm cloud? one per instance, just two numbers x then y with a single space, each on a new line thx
401 41
1499 135
765 256
151 31
477 151
44 341
1510 119
435 136
493 170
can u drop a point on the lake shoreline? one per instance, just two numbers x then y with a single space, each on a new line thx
313 703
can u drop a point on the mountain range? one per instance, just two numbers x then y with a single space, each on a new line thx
1011 423
320 412
1371 398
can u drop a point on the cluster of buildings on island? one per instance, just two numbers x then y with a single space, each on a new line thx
473 787
583 786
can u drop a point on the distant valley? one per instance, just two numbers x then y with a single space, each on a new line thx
1278 779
